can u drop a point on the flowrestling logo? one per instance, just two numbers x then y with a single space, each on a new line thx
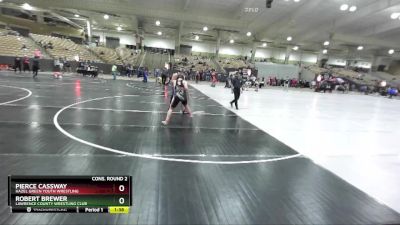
258 7
251 10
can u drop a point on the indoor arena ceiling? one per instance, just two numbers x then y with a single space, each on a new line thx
308 22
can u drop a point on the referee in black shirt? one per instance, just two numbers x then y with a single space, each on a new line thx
236 88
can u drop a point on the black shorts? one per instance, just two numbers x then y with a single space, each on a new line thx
175 101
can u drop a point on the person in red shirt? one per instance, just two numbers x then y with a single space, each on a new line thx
37 54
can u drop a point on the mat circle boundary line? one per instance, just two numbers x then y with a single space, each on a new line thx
19 99
148 156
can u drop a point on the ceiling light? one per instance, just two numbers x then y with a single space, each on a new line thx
205 28
26 6
325 51
106 17
353 8
119 28
326 43
159 33
296 0
296 48
344 7
360 48
289 38
76 15
232 41
395 16
391 51
248 34
158 23
196 37
264 44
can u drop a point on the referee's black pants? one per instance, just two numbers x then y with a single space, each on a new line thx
236 93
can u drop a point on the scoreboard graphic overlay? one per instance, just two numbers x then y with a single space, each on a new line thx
70 194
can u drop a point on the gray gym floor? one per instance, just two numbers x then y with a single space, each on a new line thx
214 168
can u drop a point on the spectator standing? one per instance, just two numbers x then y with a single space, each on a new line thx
145 75
130 70
67 65
286 84
56 65
228 81
262 83
61 64
213 78
17 64
164 76
114 71
35 67
197 76
208 75
25 63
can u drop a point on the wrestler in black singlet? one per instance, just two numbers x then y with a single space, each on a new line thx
179 94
